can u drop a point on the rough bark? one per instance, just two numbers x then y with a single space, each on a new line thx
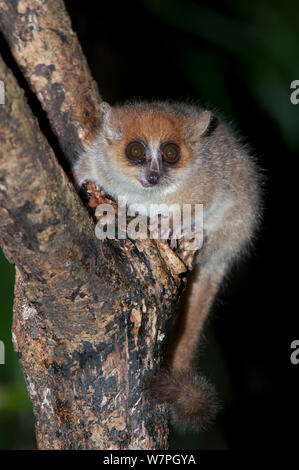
90 317
47 50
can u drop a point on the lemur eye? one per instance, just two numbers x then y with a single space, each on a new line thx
135 151
171 152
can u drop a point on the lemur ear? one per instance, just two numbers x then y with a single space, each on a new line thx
201 127
110 123
203 123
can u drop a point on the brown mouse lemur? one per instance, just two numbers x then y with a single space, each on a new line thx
176 153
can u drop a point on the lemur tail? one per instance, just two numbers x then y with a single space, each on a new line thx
192 399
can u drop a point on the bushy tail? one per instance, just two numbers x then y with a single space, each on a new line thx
192 399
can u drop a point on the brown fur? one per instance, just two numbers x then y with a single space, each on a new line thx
214 170
135 124
192 400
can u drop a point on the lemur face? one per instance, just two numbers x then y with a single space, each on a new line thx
149 147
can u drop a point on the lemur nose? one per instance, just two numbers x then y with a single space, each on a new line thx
153 178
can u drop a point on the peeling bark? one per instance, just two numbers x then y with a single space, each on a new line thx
90 317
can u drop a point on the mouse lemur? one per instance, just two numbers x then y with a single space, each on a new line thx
178 153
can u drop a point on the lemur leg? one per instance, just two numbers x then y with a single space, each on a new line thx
193 310
219 249
191 397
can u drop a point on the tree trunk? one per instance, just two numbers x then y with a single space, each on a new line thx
90 316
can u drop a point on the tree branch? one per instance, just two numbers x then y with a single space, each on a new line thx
90 317
48 52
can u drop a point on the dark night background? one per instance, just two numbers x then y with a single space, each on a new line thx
238 58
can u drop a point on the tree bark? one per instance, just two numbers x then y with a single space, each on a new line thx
90 316
50 57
